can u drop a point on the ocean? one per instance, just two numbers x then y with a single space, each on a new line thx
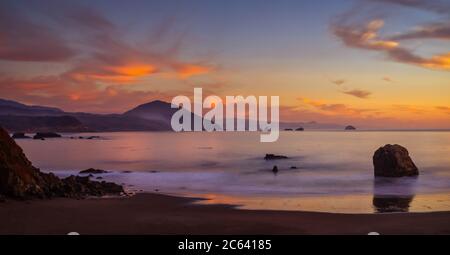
326 171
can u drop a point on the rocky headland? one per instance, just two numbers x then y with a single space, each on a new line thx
19 179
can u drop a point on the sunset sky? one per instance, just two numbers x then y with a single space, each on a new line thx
370 63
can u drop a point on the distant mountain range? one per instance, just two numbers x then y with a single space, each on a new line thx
17 117
152 116
9 107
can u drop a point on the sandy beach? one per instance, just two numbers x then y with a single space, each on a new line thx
160 214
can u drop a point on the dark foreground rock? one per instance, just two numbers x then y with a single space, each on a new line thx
19 179
274 157
93 171
20 136
75 186
393 161
46 135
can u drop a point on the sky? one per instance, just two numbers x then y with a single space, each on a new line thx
370 63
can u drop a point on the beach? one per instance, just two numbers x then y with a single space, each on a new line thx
148 213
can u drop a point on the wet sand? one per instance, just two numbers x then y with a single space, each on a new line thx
161 214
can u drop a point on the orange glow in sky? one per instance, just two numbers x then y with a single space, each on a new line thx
333 62
187 71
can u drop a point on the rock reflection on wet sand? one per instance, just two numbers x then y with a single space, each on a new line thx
393 194
392 204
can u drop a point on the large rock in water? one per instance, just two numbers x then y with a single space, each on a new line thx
393 161
350 127
42 135
21 180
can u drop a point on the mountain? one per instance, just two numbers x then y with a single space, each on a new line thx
9 107
157 111
152 116
18 117
30 124
119 122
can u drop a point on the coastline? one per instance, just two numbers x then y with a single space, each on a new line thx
149 213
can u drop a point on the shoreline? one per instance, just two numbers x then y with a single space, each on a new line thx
351 204
149 213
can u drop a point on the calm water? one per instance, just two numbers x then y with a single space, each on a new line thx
334 169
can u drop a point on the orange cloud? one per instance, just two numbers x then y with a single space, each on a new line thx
358 93
122 74
186 71
333 108
74 97
387 79
134 70
444 109
366 37
439 62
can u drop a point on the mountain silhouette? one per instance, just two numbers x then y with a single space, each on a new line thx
152 116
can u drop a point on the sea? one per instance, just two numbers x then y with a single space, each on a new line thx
326 171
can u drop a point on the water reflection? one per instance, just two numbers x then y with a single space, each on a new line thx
393 194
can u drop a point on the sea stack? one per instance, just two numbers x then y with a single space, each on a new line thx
44 135
275 169
274 157
350 127
393 161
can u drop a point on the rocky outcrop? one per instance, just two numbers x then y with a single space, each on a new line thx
93 171
300 129
274 157
19 179
20 136
46 135
350 127
275 169
393 161
75 186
